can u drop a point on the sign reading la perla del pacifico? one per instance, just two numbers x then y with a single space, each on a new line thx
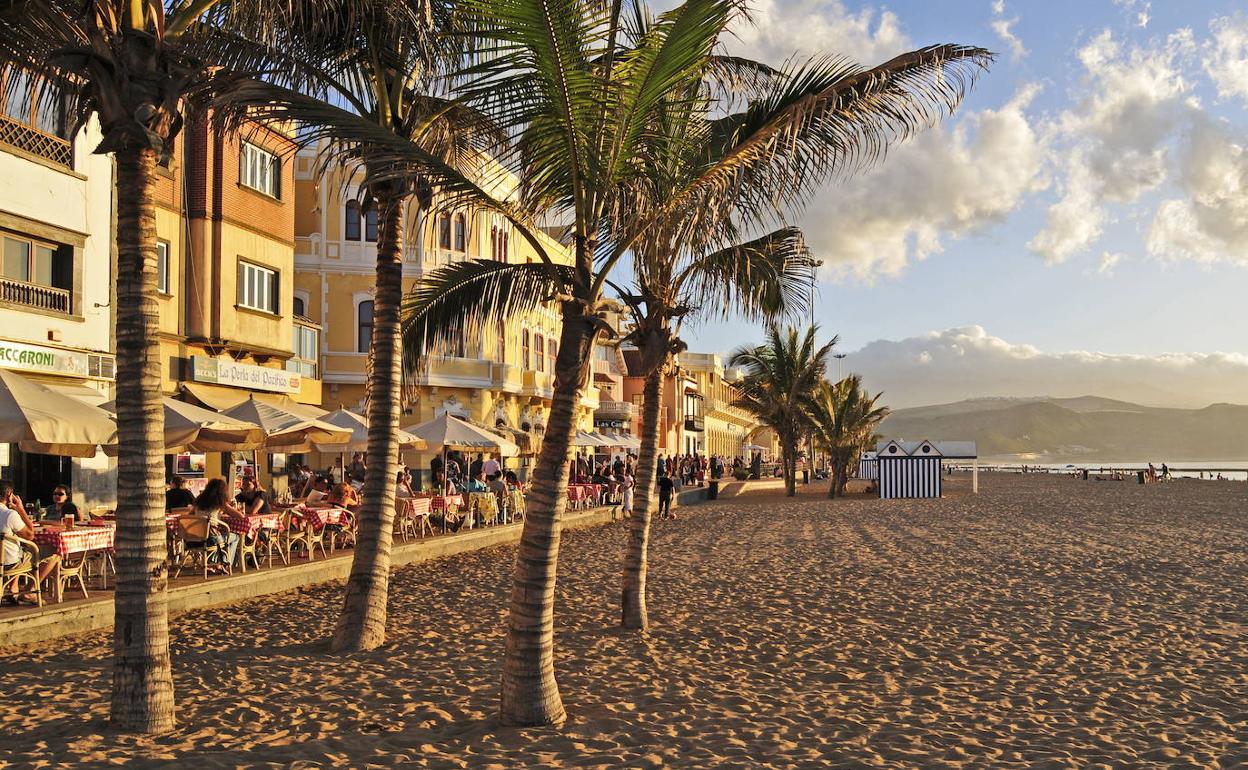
219 372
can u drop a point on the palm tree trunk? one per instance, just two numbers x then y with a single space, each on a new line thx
633 600
142 699
362 623
530 694
790 465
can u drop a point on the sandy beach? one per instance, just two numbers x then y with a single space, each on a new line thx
1046 622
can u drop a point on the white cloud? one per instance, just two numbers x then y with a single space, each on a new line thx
1211 222
782 28
1001 26
1116 140
944 183
1226 56
1109 261
967 362
1137 10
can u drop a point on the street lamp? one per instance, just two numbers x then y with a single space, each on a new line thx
815 264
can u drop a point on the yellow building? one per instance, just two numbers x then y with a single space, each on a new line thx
502 380
726 429
229 325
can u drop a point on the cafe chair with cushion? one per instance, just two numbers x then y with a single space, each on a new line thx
24 572
192 543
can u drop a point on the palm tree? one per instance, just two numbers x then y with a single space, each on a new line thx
843 418
737 105
780 376
135 64
380 73
583 100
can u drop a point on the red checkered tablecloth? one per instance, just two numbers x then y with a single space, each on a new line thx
319 517
417 506
248 526
441 503
76 540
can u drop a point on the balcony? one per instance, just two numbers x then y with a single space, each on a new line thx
35 296
538 384
507 377
35 142
695 423
460 372
624 411
589 398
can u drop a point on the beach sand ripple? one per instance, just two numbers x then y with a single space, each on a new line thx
1045 623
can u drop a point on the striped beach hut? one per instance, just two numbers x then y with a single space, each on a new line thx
868 467
908 469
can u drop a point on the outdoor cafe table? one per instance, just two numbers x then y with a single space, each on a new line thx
442 503
80 539
319 516
248 526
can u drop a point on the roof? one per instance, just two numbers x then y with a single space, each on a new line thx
950 450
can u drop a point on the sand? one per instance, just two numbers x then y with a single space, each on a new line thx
1046 623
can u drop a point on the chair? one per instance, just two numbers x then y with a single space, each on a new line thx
270 540
515 505
193 542
297 530
66 574
26 570
249 547
408 522
487 508
342 534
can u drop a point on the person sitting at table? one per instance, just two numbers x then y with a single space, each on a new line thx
15 523
9 498
62 506
212 502
477 483
252 499
344 496
318 490
403 485
177 495
498 487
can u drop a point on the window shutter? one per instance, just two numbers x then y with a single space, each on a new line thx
241 298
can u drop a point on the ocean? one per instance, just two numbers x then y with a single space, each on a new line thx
1233 470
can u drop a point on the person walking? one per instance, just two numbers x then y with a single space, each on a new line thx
667 489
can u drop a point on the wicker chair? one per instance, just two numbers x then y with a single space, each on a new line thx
298 531
25 571
248 548
65 576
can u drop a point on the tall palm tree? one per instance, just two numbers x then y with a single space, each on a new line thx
135 64
583 100
382 73
738 104
843 418
780 376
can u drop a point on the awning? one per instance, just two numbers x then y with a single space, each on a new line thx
692 392
220 398
604 378
84 393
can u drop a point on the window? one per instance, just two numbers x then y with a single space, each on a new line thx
444 231
461 233
524 349
500 355
307 350
539 353
552 350
370 222
162 267
33 261
364 326
298 307
351 228
257 287
260 170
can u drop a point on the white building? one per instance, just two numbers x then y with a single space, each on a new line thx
56 279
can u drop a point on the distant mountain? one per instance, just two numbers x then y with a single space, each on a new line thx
1073 429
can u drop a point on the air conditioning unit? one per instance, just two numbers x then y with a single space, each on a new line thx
104 367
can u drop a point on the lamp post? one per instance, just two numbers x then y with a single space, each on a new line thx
815 264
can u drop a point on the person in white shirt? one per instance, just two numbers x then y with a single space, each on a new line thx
15 523
491 467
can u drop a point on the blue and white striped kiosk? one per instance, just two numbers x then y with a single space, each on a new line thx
868 467
908 469
912 469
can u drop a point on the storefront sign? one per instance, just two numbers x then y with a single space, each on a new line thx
36 358
219 372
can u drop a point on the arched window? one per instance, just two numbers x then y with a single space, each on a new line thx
524 349
500 354
298 307
444 231
364 327
370 222
539 353
461 233
351 228
552 350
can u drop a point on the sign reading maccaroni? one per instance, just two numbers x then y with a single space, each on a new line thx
219 372
36 358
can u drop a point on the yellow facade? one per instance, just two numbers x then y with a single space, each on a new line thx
502 379
727 429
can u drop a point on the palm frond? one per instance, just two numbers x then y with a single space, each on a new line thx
462 300
767 277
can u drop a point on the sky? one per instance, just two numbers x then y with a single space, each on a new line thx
1079 226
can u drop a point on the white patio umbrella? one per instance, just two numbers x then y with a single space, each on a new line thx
42 421
286 430
450 432
358 425
191 428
